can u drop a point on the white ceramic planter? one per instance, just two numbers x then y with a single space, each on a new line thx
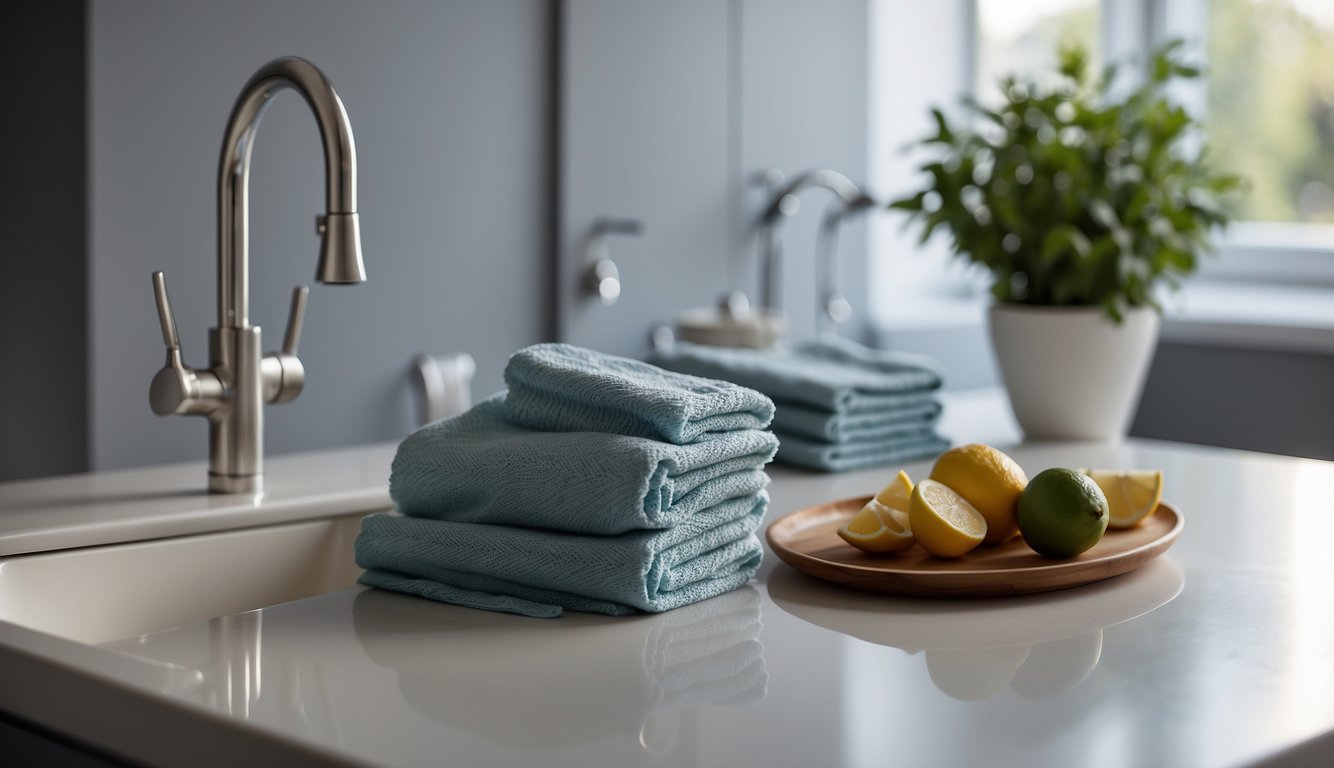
1071 373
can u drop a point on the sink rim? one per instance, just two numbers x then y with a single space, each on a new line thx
93 509
102 594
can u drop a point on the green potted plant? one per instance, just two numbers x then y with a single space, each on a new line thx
1081 199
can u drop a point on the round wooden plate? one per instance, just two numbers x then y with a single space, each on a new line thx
808 541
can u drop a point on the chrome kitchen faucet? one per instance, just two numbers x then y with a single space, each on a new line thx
785 203
232 392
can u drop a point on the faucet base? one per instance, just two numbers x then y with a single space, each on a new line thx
235 484
236 431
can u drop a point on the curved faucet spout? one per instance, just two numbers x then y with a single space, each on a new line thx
832 305
835 182
340 252
849 199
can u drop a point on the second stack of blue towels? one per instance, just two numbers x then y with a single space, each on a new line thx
840 406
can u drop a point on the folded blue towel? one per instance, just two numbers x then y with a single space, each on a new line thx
843 457
915 410
478 467
564 388
533 572
830 374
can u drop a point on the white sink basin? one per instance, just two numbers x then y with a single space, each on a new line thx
106 593
92 565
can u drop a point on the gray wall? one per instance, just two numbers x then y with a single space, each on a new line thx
803 105
43 290
644 133
668 110
454 110
453 104
450 103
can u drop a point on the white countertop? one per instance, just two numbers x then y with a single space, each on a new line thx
1221 653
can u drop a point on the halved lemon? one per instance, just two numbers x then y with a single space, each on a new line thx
943 522
987 479
877 529
1132 494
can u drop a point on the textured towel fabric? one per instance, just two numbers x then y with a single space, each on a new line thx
533 572
831 375
865 426
838 349
842 457
560 387
478 467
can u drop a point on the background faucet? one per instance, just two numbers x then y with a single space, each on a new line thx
233 390
834 308
784 203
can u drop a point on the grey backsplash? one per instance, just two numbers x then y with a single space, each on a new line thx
455 110
449 104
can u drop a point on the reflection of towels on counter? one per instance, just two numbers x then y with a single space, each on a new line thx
842 457
908 412
831 374
560 387
709 653
646 673
480 468
533 572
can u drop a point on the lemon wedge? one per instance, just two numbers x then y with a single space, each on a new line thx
897 494
1132 494
877 529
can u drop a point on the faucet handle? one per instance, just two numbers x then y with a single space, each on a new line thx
282 373
177 388
164 314
295 317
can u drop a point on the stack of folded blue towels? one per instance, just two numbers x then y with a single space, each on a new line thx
597 483
840 406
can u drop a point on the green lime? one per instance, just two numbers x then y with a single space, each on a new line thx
1062 513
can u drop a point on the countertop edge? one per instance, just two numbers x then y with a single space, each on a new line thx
96 509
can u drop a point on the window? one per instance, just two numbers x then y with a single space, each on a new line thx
1271 103
1022 36
1267 99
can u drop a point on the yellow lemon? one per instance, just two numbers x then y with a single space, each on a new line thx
897 493
987 479
943 522
877 529
1132 494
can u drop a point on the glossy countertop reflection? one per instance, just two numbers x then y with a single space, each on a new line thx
1220 653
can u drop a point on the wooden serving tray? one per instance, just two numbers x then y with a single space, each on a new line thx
808 541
